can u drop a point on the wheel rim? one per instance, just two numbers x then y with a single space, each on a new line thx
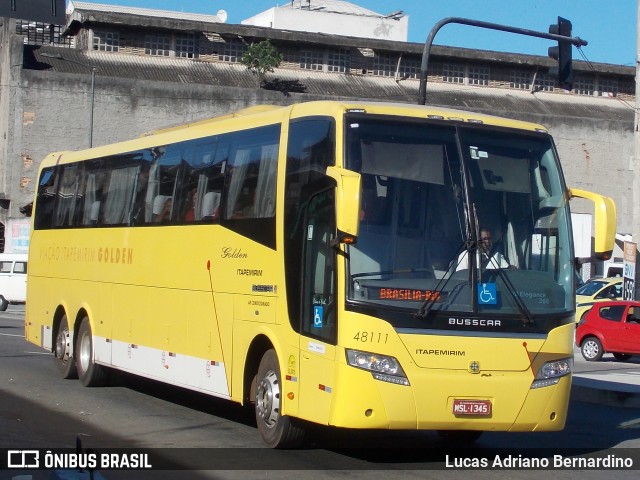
85 352
62 345
590 349
268 399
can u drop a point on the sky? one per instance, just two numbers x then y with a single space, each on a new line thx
609 26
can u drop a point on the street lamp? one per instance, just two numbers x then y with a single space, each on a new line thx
93 70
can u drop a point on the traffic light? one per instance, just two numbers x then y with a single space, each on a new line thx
562 53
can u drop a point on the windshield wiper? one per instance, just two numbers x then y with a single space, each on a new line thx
471 248
468 245
528 317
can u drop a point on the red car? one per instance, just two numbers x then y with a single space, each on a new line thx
610 327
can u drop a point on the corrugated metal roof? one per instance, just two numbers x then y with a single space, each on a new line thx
510 103
147 12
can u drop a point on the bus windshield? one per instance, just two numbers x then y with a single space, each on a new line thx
459 218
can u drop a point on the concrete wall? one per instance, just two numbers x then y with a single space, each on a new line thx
597 156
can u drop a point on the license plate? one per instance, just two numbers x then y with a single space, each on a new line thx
471 407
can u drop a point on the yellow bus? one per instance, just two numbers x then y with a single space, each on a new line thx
313 260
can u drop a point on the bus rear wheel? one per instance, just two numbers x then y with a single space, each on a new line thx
91 374
4 303
276 430
62 357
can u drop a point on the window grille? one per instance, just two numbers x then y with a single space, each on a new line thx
384 65
608 87
36 33
583 85
521 79
338 60
106 41
452 73
186 46
311 59
478 75
545 82
232 51
157 45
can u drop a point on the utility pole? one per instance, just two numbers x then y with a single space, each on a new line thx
635 229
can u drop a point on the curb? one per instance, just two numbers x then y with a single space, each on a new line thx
611 394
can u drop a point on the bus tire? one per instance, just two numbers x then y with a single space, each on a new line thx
276 430
91 374
63 359
4 303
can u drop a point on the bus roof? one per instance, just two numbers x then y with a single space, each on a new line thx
255 115
420 111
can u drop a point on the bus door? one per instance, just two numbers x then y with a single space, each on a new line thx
318 328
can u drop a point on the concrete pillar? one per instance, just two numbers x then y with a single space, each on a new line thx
636 159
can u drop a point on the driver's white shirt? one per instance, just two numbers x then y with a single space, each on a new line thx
496 261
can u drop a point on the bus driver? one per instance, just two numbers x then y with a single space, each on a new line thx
488 261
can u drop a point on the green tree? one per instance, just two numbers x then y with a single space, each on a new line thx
260 58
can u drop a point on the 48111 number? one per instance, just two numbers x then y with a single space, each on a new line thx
371 337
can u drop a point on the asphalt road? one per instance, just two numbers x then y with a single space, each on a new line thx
195 436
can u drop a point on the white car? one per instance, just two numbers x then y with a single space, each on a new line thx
13 279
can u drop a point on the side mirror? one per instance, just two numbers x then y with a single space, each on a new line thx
347 202
605 222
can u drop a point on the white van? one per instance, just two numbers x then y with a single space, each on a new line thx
13 279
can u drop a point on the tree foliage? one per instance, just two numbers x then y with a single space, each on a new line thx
260 58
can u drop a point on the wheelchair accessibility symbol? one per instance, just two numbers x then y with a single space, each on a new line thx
318 314
487 294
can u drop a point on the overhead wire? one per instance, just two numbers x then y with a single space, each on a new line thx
593 69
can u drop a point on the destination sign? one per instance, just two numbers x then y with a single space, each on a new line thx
409 294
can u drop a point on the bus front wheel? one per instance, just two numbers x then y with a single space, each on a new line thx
276 430
91 374
62 357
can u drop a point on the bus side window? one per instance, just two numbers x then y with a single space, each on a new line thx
67 193
120 195
252 175
203 163
47 188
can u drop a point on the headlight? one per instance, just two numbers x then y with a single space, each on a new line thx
551 372
382 367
